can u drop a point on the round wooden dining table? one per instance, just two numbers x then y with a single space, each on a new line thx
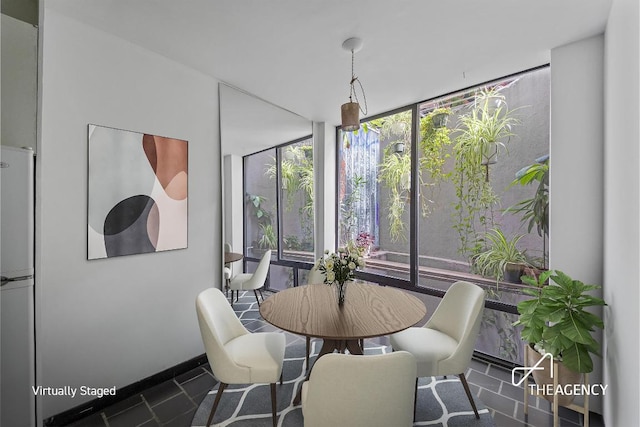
368 311
230 257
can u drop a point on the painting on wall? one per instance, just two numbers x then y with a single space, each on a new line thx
137 193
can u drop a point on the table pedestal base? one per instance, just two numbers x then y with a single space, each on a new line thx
330 346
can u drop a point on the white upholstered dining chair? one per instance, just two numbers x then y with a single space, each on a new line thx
351 391
444 345
251 281
235 355
228 268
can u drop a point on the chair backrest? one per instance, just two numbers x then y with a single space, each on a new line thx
260 275
458 315
315 276
347 390
218 325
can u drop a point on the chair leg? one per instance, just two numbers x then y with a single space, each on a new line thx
221 388
231 300
415 400
308 350
261 296
463 379
274 405
257 299
281 376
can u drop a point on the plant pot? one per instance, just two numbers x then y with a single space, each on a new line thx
439 120
563 375
398 147
513 272
490 153
258 252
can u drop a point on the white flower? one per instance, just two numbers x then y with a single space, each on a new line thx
331 276
352 266
361 262
343 262
326 251
329 264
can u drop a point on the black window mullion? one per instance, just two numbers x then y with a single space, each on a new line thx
414 194
279 213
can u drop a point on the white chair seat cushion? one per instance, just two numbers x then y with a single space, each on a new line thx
260 353
227 273
238 280
428 346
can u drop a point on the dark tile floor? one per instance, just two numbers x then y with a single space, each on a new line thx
174 402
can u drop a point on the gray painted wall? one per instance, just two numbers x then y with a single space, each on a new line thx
112 322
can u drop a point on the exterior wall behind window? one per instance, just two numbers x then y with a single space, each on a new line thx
530 98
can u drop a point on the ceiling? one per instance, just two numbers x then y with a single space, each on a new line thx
289 51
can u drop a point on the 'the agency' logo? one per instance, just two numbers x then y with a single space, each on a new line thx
550 389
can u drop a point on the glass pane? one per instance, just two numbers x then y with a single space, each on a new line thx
374 180
472 147
296 198
280 277
498 337
260 204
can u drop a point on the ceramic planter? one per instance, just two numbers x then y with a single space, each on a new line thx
563 375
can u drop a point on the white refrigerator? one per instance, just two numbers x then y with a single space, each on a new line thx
17 358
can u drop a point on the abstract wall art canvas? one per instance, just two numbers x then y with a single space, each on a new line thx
137 193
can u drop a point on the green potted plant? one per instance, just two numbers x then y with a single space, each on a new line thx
268 240
487 126
502 259
556 321
439 117
481 131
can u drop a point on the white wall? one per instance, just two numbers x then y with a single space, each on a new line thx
622 214
115 321
233 202
324 164
576 176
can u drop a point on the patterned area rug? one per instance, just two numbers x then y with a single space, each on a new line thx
441 402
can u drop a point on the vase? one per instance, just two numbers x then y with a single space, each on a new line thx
341 289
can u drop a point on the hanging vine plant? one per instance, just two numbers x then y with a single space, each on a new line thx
434 152
482 132
395 170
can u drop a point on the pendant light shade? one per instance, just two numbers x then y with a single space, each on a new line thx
350 116
350 111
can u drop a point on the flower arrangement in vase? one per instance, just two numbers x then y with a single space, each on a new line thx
339 268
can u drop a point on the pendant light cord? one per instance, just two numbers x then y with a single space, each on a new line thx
353 92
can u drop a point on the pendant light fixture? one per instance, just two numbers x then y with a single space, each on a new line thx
350 111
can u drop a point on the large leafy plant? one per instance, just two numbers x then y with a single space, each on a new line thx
556 318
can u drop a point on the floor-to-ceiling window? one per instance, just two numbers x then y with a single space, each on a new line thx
454 188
